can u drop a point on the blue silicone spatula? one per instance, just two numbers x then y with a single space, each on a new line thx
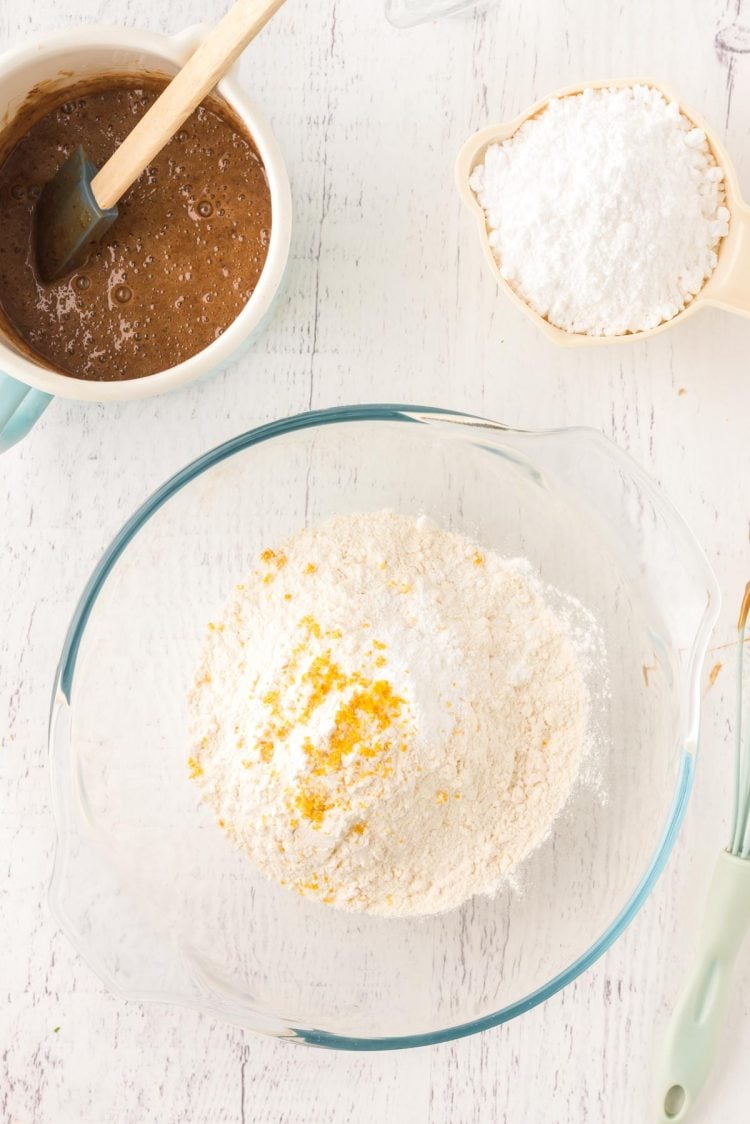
79 205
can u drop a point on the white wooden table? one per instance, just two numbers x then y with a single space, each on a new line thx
387 299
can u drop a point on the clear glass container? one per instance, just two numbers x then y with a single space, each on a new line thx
406 13
161 904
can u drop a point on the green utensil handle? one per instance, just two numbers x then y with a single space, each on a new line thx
20 407
694 1034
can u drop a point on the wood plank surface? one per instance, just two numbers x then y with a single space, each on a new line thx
387 299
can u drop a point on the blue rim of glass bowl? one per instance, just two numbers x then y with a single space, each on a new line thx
415 415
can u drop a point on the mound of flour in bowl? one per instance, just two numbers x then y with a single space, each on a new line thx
605 211
387 718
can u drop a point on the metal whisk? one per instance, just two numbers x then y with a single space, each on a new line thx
740 841
693 1038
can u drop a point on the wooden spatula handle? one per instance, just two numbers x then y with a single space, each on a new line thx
203 70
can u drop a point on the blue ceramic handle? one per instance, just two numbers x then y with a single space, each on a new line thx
20 408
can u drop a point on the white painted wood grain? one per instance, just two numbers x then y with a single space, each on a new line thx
387 299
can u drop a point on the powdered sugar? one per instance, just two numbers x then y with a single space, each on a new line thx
388 718
605 212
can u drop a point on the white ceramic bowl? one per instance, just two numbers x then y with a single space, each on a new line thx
64 58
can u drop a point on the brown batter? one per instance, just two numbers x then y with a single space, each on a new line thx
178 265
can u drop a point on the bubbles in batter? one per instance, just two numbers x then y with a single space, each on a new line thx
155 259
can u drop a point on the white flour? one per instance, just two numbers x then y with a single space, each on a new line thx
606 211
387 719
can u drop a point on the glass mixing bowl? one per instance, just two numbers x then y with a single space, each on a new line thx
406 13
161 904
